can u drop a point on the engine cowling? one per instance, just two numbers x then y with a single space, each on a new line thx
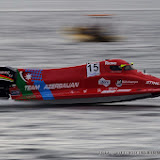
7 79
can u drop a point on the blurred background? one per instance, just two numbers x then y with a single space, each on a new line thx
52 34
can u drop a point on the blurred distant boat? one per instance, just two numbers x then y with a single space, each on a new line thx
90 34
97 32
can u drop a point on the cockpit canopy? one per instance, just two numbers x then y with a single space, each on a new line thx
119 68
119 65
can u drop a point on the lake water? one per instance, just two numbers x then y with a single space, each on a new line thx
44 131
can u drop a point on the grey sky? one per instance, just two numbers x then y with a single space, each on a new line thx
78 4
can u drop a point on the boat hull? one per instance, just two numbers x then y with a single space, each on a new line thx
109 99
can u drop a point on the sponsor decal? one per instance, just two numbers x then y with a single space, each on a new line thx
15 93
123 90
5 78
6 73
108 91
119 83
104 82
114 91
110 63
153 83
129 82
52 86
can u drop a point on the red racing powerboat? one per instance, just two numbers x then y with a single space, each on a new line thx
106 81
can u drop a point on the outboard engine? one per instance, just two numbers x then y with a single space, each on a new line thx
7 79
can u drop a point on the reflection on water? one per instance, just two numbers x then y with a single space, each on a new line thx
44 131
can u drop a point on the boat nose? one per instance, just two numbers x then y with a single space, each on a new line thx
151 81
153 85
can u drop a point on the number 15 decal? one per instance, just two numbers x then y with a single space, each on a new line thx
93 69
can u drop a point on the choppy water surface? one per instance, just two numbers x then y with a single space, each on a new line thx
43 131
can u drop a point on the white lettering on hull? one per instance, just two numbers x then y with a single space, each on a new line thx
32 87
62 85
152 83
52 86
129 82
110 63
